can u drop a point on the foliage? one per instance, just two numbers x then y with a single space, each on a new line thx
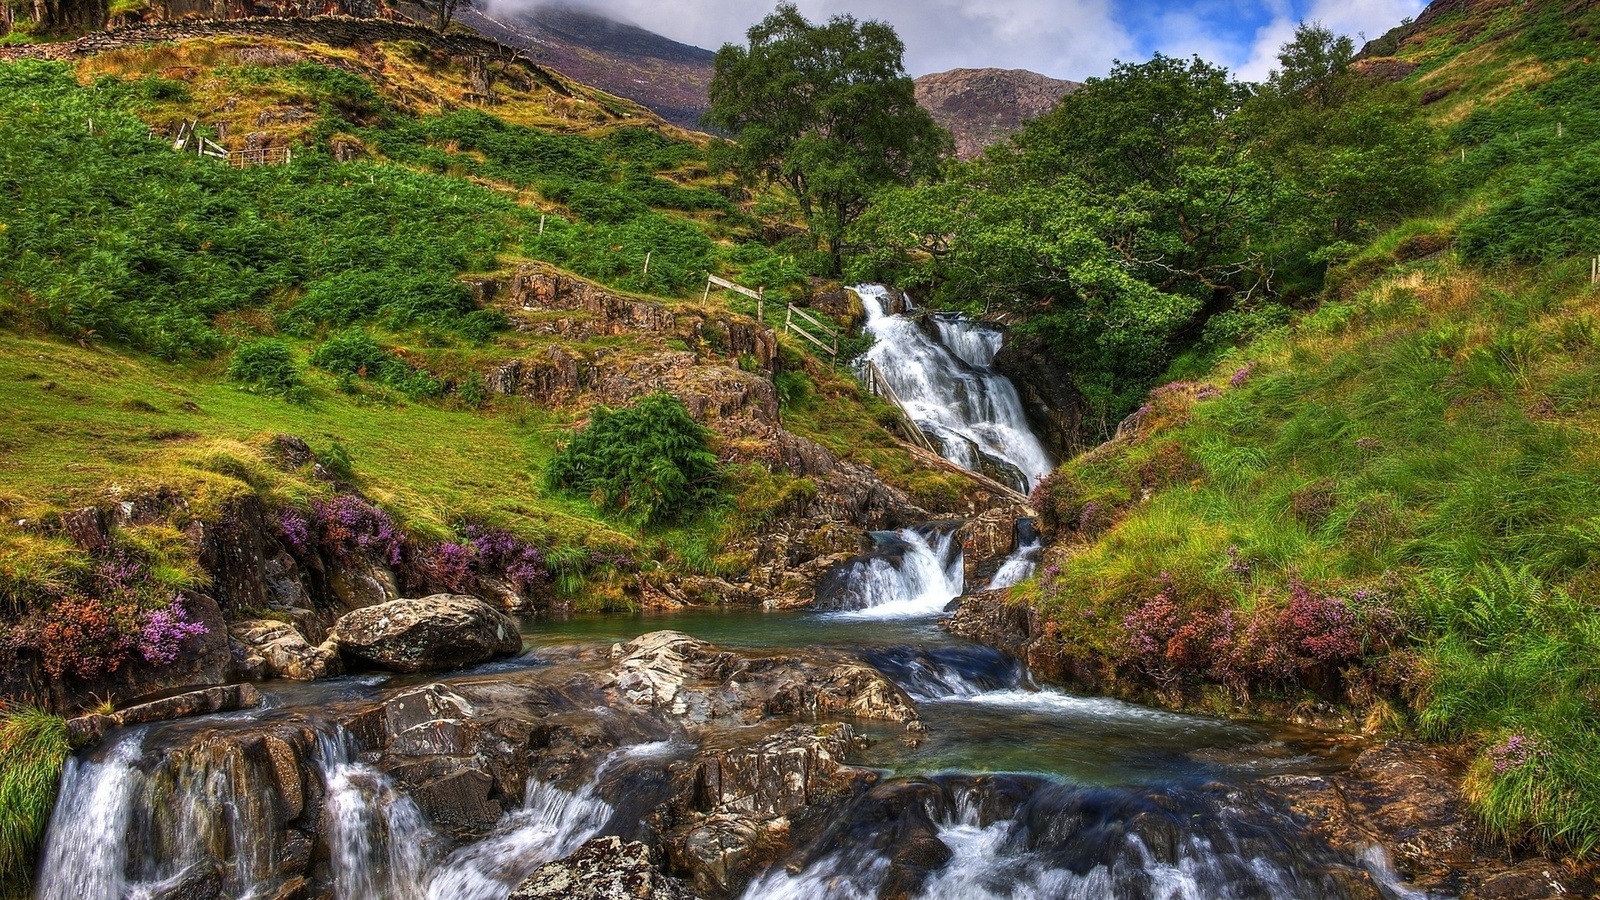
651 462
354 353
33 752
269 366
1157 199
828 112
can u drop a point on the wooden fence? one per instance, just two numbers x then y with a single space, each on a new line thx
829 346
873 378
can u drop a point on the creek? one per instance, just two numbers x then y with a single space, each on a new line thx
1013 791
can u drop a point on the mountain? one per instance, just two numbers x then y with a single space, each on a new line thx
666 77
983 107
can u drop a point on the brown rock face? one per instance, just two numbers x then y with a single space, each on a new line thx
983 107
445 631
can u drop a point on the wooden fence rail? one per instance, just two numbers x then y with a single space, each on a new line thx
879 385
789 324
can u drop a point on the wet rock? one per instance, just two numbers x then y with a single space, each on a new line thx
444 631
698 683
276 650
798 767
199 883
89 729
605 868
1406 798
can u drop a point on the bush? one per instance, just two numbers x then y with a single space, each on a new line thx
33 751
268 366
650 462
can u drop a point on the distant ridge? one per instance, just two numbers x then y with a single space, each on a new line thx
983 107
669 78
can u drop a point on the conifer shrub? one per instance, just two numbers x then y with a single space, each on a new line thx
651 462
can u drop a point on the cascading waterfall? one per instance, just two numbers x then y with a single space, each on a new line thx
1023 561
1019 837
909 574
136 822
951 392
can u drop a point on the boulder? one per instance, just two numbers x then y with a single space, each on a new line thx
444 631
273 649
698 683
605 868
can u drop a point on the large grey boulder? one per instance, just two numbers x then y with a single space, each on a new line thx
605 868
430 634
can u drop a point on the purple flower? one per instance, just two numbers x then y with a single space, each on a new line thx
503 553
163 631
295 529
352 527
1241 376
1517 751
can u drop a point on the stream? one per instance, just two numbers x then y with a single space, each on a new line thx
1015 791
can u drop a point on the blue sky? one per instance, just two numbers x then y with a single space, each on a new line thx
1063 38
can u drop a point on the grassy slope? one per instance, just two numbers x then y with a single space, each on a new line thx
1419 452
94 421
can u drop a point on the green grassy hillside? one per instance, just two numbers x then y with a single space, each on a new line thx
1394 502
163 315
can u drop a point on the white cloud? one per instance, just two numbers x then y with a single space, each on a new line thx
1062 38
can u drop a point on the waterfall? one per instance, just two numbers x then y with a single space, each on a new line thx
1014 837
135 823
85 855
1023 561
951 392
909 574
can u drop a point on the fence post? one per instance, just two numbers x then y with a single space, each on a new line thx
707 296
647 261
788 319
541 223
761 305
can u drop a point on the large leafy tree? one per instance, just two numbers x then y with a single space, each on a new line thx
827 111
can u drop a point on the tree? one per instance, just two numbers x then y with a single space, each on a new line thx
1313 67
826 111
443 12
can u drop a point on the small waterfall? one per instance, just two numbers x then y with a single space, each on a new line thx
85 855
936 673
953 395
1014 837
135 822
908 574
1023 561
379 844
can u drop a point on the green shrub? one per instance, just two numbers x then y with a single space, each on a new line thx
352 352
33 751
650 462
268 366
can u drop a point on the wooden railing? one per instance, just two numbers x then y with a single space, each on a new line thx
875 382
830 346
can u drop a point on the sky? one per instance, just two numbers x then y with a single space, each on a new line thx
1072 39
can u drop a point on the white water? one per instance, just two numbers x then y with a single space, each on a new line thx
122 833
1019 565
997 862
950 391
928 577
84 857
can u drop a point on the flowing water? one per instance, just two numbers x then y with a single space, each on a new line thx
948 388
1016 791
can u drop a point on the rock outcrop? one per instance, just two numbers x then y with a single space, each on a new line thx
1406 798
606 868
984 107
430 634
698 683
268 649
